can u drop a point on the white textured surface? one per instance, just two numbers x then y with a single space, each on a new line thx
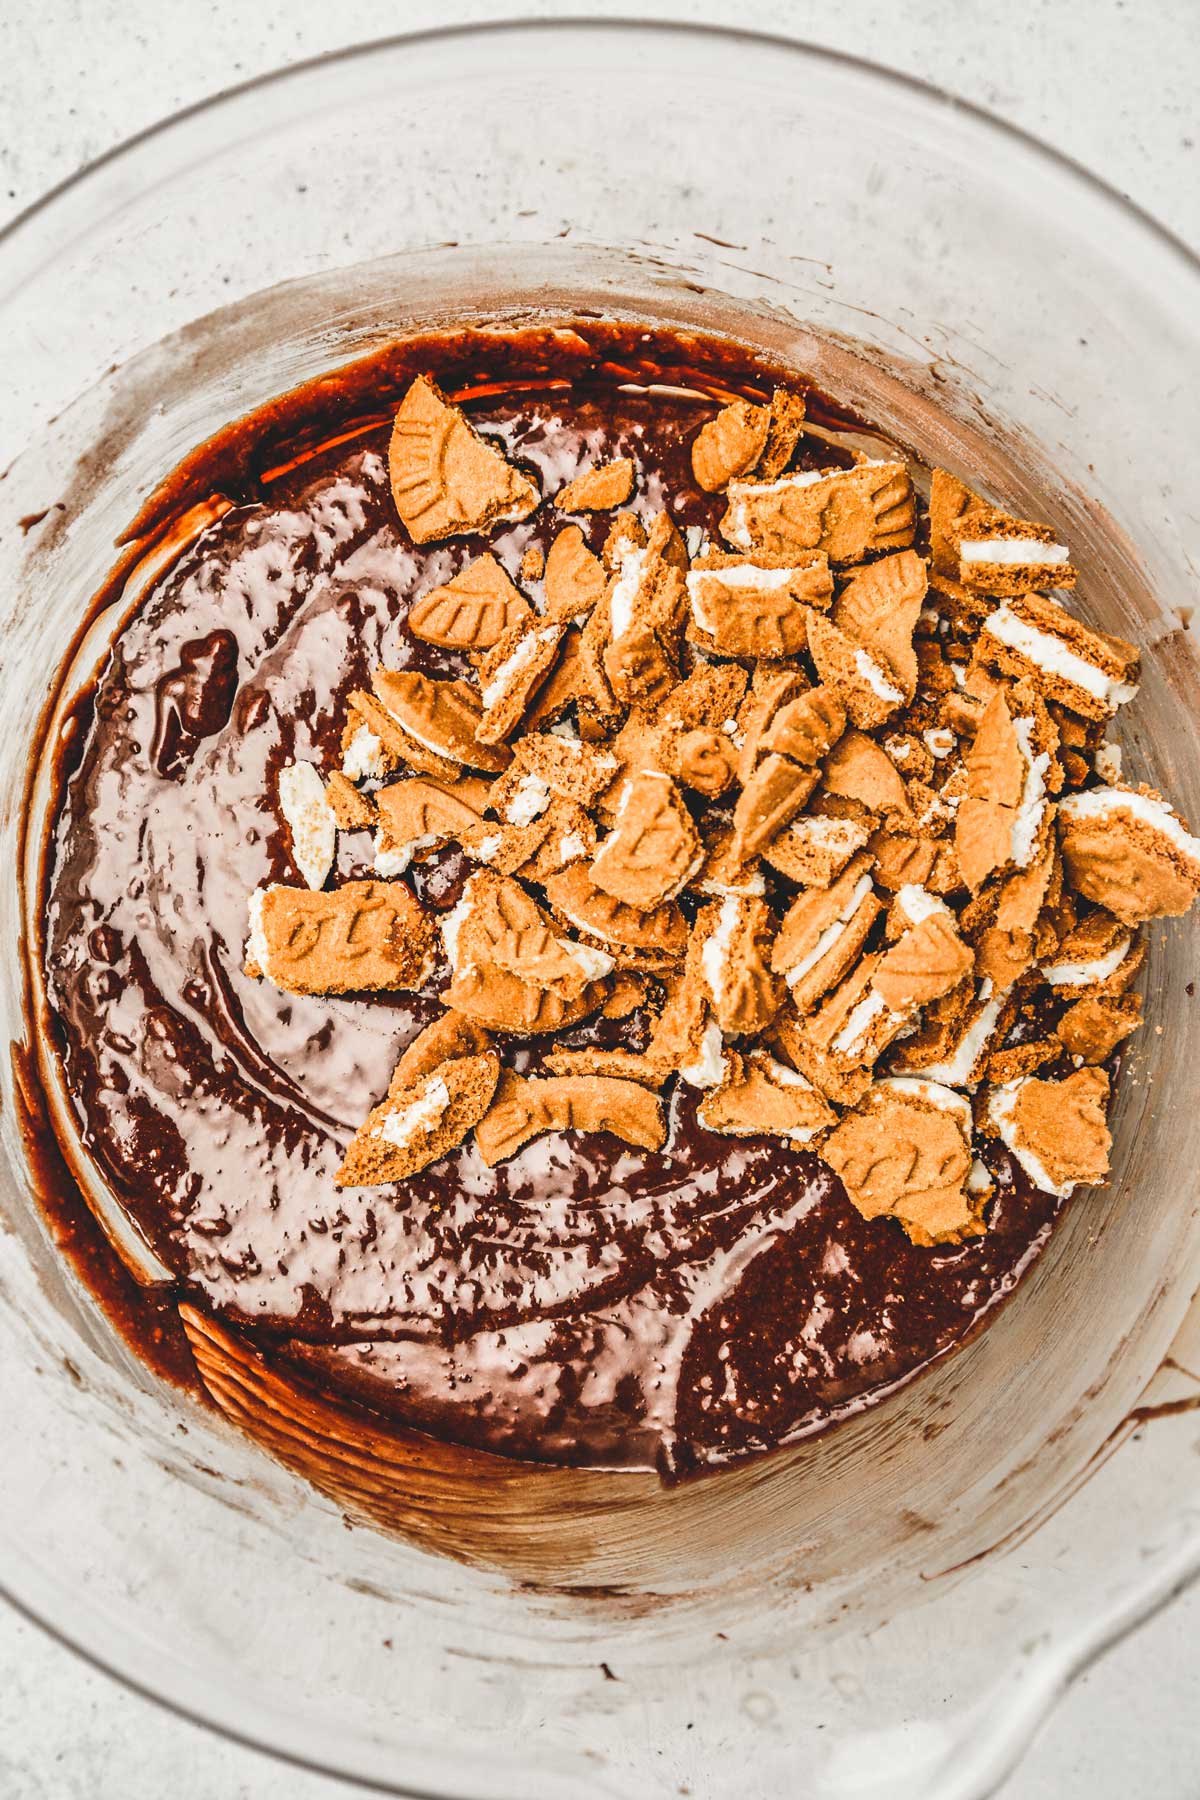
1110 82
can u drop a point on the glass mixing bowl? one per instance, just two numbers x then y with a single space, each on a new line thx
887 1611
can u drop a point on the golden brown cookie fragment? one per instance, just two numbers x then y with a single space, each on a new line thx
770 800
1001 555
352 810
653 940
417 815
471 611
857 769
511 674
878 610
654 848
1032 637
906 1154
756 606
1091 1029
1098 955
498 926
509 971
574 579
814 851
784 431
523 1109
599 488
445 479
533 563
445 1039
761 1095
824 932
420 1121
622 1065
867 690
704 760
437 722
575 770
1056 1130
1130 852
730 445
847 513
929 960
734 937
364 937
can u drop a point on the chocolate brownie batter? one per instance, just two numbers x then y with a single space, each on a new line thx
585 1302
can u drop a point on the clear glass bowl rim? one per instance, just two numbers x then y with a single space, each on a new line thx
45 228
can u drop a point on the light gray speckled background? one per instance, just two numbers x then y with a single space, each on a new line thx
1111 82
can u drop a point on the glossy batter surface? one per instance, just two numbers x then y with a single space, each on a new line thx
585 1302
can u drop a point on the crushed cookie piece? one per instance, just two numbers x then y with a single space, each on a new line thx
1129 851
823 934
1016 1060
734 939
444 1039
925 963
906 1154
311 822
658 938
704 760
416 815
471 611
730 445
574 580
625 533
511 674
864 686
785 428
627 992
420 1121
756 605
858 769
533 563
624 1065
847 513
353 811
954 1036
878 610
1004 818
841 1084
568 835
772 687
950 503
806 728
1092 1028
578 771
1095 956
364 937
814 851
446 480
774 794
367 754
1001 555
560 692
498 926
653 850
375 742
523 1109
599 488
438 720
1086 671
759 1095
722 873
1057 1130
